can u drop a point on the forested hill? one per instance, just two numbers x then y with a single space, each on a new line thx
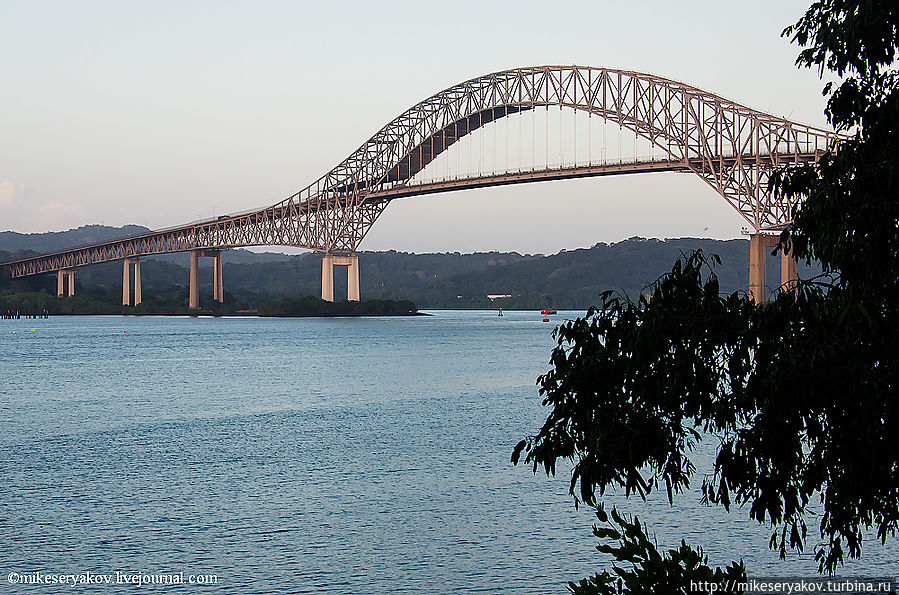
11 241
573 278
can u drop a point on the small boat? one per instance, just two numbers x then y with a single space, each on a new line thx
549 307
500 312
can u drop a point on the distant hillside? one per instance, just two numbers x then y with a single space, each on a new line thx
12 241
576 278
573 278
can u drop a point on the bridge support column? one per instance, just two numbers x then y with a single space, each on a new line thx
328 278
351 261
137 292
352 280
193 301
61 275
758 252
126 282
760 244
218 288
757 268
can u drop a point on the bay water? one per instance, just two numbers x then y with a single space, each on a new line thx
341 455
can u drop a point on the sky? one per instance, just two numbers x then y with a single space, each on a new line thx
163 113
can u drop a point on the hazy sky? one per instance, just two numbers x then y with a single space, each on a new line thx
160 113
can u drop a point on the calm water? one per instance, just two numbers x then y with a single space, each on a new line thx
306 456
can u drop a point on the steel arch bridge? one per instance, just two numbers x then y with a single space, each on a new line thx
732 148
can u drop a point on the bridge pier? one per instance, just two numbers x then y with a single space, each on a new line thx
327 278
351 261
218 287
61 275
193 300
126 282
760 245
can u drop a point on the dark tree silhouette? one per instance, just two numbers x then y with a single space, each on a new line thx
801 391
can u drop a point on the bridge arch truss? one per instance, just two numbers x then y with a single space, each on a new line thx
731 147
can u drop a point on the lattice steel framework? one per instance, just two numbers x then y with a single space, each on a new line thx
731 147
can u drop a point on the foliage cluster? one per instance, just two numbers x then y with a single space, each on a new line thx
800 393
681 570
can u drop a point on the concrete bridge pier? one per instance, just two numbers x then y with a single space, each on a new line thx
760 245
193 300
126 282
351 261
61 275
788 272
218 288
327 278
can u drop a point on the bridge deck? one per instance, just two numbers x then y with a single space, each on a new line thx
227 229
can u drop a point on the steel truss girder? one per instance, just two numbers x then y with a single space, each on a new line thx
732 148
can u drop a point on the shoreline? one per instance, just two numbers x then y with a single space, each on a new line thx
210 314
